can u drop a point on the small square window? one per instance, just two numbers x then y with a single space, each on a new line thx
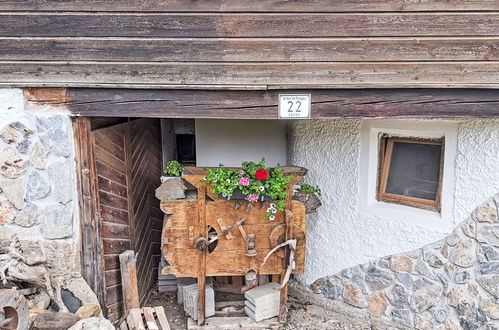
410 171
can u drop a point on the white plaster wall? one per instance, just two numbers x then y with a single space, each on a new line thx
231 142
340 235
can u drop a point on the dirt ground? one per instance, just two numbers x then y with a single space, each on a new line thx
302 315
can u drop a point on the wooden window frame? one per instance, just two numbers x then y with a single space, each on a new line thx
385 153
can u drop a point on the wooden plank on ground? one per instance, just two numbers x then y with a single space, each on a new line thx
129 280
163 321
250 49
217 323
42 24
134 320
273 75
149 317
264 6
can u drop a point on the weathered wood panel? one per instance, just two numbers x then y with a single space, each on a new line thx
91 242
109 144
248 25
370 103
250 49
243 5
144 167
323 74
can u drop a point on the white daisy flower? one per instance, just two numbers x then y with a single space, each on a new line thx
274 210
228 180
216 175
215 180
272 206
230 188
262 188
204 178
269 210
272 218
224 195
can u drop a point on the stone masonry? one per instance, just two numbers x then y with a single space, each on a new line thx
38 204
450 284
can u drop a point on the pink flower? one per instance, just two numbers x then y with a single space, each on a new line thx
241 172
252 198
244 182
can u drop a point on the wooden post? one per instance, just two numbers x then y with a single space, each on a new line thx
202 255
92 255
128 266
288 235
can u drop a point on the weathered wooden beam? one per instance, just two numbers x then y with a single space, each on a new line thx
367 103
300 75
249 49
84 24
128 266
244 5
88 199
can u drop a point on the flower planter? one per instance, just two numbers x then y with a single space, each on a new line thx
238 195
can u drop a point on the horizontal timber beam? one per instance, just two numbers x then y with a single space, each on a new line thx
233 25
247 6
249 49
262 104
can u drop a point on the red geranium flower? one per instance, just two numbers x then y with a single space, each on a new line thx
261 174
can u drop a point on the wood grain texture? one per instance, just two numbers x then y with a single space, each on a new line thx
144 166
109 157
261 25
368 103
250 49
245 6
92 258
325 74
129 283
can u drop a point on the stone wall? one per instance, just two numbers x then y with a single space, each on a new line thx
450 284
38 204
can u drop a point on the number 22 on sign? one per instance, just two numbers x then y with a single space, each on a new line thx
294 106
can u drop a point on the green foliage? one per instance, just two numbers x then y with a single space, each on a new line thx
225 181
173 168
309 190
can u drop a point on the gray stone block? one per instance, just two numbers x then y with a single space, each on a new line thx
190 294
263 302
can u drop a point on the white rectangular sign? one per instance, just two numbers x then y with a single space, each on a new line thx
294 106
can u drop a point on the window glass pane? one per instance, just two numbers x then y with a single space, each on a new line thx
414 170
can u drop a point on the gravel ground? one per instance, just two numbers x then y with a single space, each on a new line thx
302 314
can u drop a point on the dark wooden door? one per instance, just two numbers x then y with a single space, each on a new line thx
127 162
144 160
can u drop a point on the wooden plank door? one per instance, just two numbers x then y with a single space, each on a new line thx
144 161
127 162
110 166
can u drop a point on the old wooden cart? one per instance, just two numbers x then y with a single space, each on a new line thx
185 236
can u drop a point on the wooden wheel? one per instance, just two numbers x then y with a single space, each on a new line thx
277 237
15 310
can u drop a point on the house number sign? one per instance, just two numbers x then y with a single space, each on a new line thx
294 106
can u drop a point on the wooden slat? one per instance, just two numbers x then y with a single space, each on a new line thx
248 25
370 103
163 321
149 316
251 50
245 6
128 270
115 246
331 75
